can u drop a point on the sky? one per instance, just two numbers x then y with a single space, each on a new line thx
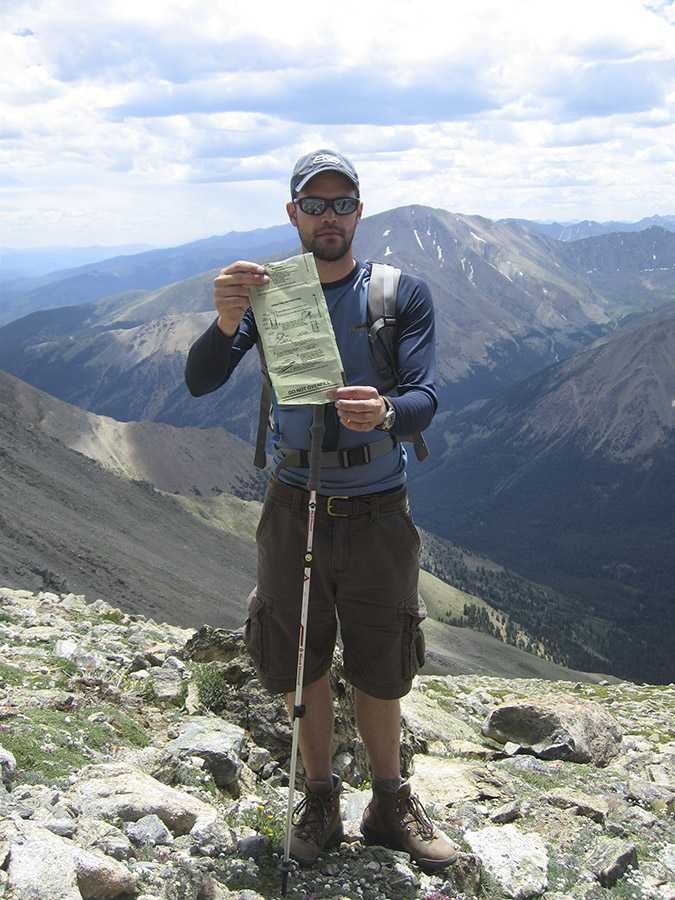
165 121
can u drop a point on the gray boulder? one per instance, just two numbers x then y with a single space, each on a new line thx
213 838
558 727
518 862
44 866
7 766
167 682
579 803
93 834
150 830
449 782
217 742
120 791
609 860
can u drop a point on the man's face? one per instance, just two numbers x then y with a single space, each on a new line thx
328 236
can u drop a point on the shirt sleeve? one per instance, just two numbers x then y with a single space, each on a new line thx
213 357
416 401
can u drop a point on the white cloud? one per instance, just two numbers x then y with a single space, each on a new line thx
165 121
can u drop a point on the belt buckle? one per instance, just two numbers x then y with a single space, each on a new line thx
329 507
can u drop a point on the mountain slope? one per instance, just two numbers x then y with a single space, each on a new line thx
569 478
502 297
188 461
68 525
634 269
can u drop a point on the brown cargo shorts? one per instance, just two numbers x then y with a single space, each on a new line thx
364 577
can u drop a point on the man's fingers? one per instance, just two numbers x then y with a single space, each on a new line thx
235 278
353 392
359 414
243 272
243 278
230 292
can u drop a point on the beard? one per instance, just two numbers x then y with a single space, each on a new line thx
327 249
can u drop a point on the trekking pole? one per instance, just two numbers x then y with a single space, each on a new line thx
313 483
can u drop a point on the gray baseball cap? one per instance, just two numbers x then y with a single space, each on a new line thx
321 161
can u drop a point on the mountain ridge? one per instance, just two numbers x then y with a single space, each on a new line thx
504 306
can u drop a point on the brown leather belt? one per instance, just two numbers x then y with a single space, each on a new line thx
368 505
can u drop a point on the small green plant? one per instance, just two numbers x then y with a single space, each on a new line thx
212 689
264 821
199 778
116 616
490 888
269 821
147 690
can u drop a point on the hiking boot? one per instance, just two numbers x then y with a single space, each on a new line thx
399 821
317 823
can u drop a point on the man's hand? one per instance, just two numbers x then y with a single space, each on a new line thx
230 294
360 407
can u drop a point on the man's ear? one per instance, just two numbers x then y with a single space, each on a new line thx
290 209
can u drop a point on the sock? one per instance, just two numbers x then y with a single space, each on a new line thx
319 785
387 785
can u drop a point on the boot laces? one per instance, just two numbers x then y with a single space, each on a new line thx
415 816
310 817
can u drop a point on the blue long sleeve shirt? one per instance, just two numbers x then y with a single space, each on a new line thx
214 356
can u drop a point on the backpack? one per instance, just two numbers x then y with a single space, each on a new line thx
382 298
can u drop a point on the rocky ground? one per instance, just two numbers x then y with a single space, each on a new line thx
141 761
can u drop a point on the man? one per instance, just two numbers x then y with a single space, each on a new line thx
365 560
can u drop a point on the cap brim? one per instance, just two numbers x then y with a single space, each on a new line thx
301 184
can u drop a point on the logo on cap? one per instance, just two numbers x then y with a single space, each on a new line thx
325 158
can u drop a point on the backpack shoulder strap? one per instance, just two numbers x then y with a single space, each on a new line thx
382 296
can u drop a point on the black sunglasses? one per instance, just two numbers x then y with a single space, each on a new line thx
315 206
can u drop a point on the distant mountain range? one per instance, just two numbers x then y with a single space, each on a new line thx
149 269
36 261
575 231
509 301
552 450
80 275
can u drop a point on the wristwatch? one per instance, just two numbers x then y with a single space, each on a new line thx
389 417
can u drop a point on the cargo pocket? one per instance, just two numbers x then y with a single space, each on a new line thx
413 643
254 631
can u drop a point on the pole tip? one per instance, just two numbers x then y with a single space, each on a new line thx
285 867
